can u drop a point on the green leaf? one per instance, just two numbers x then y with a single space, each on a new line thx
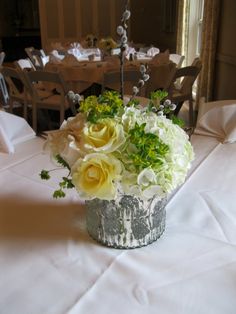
44 174
59 194
177 121
62 162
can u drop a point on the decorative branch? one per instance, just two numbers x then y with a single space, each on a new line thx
122 32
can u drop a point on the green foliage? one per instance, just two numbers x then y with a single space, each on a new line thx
62 162
106 105
66 183
133 102
177 121
59 194
159 94
150 150
44 175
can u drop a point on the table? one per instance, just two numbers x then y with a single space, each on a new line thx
49 264
83 74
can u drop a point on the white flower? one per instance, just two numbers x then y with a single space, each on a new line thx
146 177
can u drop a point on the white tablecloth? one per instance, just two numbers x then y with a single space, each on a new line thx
49 264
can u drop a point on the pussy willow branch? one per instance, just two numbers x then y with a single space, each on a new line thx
122 31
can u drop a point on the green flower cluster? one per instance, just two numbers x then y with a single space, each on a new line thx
150 150
106 105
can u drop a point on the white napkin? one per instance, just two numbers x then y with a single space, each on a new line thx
75 45
218 119
45 60
129 51
75 52
153 51
55 57
13 130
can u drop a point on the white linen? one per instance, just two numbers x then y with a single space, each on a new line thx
50 265
13 130
218 119
153 51
22 151
5 144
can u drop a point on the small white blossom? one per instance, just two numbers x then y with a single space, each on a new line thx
141 83
167 102
172 107
142 68
124 39
146 77
126 15
120 30
135 90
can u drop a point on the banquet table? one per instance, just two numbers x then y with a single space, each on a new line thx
50 265
80 75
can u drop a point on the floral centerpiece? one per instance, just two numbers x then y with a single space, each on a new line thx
123 159
106 45
112 150
91 41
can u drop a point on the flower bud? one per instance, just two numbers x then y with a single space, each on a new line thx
120 30
126 15
135 90
146 77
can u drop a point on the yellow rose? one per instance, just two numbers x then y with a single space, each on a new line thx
105 136
95 175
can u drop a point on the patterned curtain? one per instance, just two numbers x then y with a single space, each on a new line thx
208 50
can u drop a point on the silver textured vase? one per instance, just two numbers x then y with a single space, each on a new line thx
127 222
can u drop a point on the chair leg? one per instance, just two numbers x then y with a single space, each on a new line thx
190 113
25 111
10 105
34 118
62 115
178 107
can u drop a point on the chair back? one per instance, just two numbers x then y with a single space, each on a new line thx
161 77
2 57
24 64
14 81
188 75
36 56
17 89
44 77
57 101
111 80
4 96
183 92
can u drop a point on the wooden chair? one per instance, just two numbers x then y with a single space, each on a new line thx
36 56
111 80
161 77
4 96
17 90
2 57
57 101
184 92
22 64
